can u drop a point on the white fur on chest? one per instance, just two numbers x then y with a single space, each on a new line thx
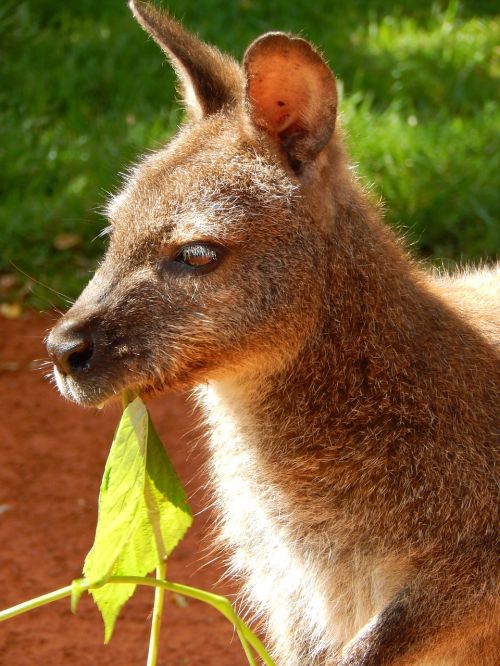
305 596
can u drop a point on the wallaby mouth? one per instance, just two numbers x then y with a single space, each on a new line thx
72 390
95 360
86 368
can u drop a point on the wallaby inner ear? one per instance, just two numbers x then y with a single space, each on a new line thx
291 93
209 79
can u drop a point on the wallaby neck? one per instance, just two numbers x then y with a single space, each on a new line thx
371 315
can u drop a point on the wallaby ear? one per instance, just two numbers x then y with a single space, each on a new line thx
209 79
291 93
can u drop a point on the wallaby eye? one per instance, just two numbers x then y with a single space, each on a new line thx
198 256
195 258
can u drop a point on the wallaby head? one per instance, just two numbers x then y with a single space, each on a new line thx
217 241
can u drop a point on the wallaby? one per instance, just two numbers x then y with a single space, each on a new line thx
352 398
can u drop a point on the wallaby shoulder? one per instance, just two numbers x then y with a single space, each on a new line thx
475 295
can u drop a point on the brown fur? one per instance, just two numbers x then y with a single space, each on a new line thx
352 398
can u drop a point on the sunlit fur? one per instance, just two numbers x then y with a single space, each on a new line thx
352 398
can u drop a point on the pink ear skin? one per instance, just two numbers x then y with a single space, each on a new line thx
291 94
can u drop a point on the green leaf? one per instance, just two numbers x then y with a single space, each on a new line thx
143 512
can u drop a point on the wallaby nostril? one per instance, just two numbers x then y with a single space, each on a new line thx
70 350
81 355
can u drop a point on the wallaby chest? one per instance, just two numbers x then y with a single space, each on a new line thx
328 593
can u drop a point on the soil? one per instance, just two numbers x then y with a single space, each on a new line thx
52 456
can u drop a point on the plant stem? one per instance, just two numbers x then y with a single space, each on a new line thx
35 603
244 644
125 399
218 602
156 619
256 643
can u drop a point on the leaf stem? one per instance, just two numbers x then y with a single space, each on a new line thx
125 399
35 603
218 602
156 619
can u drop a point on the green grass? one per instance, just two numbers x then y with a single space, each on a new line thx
83 92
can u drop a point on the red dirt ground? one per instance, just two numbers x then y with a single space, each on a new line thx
52 456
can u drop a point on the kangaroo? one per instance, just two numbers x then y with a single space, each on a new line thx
352 398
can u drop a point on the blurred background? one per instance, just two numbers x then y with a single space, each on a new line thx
83 93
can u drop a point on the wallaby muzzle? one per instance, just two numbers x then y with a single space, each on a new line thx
87 345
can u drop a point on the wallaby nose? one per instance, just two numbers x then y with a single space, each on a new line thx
70 348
